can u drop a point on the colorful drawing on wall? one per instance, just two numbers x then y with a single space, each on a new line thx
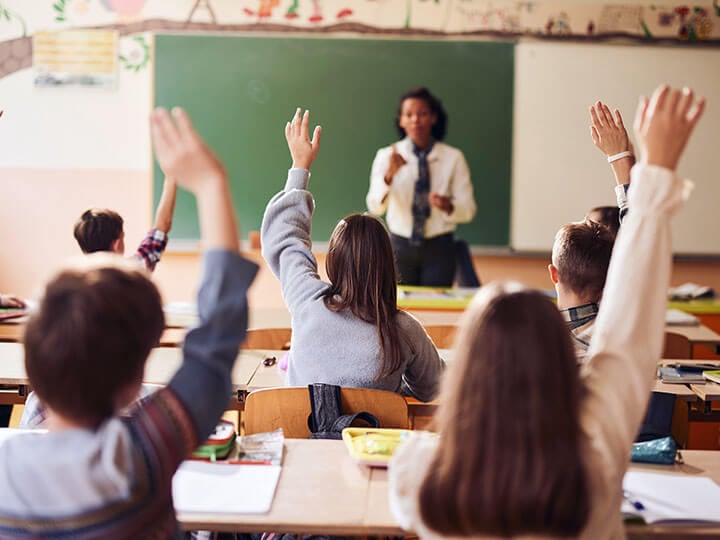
126 10
134 53
76 58
9 16
202 5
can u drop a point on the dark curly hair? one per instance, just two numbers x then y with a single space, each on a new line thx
439 129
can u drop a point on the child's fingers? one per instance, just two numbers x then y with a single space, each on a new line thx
696 112
317 133
184 125
595 135
672 101
287 131
640 114
607 117
162 129
295 124
619 120
304 123
658 99
687 98
594 115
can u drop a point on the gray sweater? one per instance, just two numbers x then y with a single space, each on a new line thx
334 347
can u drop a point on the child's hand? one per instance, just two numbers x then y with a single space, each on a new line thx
396 163
181 153
663 125
302 149
608 132
10 301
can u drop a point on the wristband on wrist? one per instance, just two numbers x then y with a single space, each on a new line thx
615 157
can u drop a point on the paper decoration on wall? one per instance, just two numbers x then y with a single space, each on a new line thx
76 57
127 10
8 16
134 53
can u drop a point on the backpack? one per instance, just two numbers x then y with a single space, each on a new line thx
326 421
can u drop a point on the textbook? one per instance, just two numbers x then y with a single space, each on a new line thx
668 498
690 291
681 374
713 375
675 317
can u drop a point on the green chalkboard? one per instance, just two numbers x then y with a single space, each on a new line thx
241 90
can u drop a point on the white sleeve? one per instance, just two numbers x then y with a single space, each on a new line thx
462 192
377 197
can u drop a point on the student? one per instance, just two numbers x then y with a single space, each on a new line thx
348 332
529 445
95 475
102 229
580 259
424 186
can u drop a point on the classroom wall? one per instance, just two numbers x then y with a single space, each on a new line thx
65 149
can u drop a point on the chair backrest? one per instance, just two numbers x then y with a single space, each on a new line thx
268 338
442 335
289 408
677 346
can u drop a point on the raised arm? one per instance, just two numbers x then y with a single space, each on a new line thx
628 336
166 206
610 136
203 383
285 231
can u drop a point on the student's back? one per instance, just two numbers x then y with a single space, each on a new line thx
96 475
349 331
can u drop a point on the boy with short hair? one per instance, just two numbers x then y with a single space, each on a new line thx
580 260
96 475
100 229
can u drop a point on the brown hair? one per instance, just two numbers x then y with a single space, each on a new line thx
361 267
97 229
508 462
606 215
90 338
581 254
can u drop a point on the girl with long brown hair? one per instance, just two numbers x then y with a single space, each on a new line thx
528 445
347 332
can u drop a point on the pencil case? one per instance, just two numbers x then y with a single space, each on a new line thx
219 444
663 451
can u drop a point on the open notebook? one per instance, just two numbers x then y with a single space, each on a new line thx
670 498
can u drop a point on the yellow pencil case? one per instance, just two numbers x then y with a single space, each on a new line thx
373 446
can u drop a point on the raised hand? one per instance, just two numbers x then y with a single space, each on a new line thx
302 149
181 153
664 124
396 163
608 131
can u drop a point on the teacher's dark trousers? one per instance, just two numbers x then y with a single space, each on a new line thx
430 263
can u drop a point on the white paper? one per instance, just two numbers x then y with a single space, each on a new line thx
218 488
680 318
670 497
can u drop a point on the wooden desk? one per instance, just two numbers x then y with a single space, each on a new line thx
322 491
161 365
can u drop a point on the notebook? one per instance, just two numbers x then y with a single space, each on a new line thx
12 313
655 497
675 317
713 375
222 488
681 375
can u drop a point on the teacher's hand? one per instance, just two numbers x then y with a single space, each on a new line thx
396 163
302 149
442 202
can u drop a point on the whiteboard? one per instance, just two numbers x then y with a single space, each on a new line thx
558 174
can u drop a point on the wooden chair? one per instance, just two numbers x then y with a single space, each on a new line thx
289 408
442 335
268 338
677 346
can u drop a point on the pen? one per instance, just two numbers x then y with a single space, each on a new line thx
637 505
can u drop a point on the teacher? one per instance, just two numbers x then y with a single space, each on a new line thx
424 186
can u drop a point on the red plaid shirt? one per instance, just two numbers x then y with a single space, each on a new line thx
151 248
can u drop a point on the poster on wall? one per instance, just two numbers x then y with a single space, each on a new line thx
76 58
